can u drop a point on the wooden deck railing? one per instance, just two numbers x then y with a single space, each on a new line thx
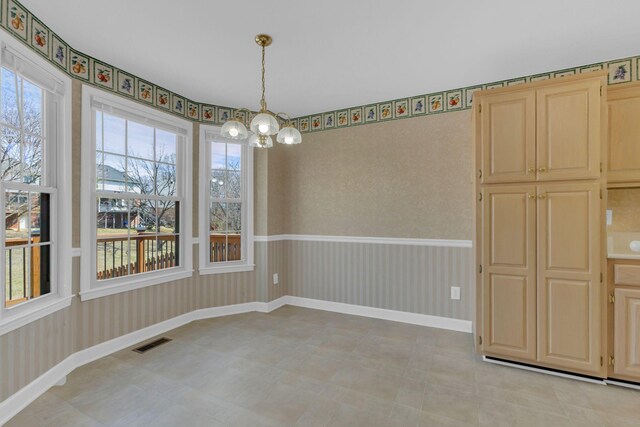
34 271
145 255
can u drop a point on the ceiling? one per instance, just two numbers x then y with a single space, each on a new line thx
336 53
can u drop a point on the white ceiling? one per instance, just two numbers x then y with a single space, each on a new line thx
331 54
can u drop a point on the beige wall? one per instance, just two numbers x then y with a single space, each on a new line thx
405 178
625 204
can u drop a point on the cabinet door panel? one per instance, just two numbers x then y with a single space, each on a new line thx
569 316
509 286
627 333
568 131
508 137
624 134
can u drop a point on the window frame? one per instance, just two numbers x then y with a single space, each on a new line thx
90 287
205 266
57 159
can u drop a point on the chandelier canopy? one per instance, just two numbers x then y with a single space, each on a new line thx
264 123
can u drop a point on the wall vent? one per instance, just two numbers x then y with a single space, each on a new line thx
152 344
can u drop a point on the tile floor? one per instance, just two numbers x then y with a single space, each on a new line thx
302 367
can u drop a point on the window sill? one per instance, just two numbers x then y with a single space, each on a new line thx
103 290
226 269
39 311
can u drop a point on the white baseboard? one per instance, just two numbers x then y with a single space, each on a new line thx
382 313
57 374
23 397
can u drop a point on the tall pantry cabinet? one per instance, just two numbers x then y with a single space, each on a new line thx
539 222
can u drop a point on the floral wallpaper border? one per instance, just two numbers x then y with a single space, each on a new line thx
21 23
620 71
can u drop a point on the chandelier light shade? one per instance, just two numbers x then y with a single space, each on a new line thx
289 135
264 123
234 129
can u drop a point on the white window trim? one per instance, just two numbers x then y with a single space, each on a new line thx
204 266
61 296
90 287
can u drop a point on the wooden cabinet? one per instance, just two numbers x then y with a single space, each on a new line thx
569 266
624 134
568 131
539 223
625 287
544 131
509 294
627 334
541 297
508 135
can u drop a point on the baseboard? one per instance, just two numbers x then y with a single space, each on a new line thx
23 397
382 313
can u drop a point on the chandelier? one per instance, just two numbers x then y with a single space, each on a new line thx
265 123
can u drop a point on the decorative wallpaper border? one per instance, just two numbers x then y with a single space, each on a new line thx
620 71
21 23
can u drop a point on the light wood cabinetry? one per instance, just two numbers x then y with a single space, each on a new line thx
542 132
624 287
568 131
509 294
539 223
569 288
624 134
508 135
627 334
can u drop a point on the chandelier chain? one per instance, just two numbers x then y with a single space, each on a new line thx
263 102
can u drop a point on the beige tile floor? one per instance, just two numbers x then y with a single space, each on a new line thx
302 367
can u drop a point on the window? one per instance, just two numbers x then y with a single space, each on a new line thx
137 198
34 173
226 200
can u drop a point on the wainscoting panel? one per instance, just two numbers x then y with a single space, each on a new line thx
412 278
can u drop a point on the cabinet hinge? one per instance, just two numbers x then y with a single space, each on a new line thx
612 360
479 108
600 194
480 269
480 339
600 90
479 173
612 298
601 361
480 197
600 166
601 277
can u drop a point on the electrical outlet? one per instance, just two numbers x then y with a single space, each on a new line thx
275 278
609 217
455 292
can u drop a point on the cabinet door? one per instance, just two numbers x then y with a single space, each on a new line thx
627 333
624 134
509 271
568 131
569 306
508 137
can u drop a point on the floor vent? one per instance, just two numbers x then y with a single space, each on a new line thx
151 345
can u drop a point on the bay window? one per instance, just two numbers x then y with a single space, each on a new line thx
137 175
34 186
226 203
